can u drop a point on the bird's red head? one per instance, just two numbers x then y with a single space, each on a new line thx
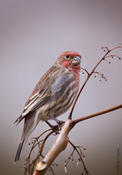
70 59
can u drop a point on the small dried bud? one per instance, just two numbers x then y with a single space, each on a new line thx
65 169
56 164
78 162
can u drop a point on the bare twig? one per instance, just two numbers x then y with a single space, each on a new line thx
101 75
41 148
96 114
85 170
35 140
30 166
83 69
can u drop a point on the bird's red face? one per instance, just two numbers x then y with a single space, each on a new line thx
70 59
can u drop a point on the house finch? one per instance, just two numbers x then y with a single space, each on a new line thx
53 94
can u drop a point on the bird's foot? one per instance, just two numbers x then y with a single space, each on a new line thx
59 123
56 128
53 127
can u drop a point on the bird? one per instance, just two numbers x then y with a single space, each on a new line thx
52 96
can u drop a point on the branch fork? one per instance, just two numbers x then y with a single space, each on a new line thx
59 145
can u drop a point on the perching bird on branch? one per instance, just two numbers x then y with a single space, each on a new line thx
53 94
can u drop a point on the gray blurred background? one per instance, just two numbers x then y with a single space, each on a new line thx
33 33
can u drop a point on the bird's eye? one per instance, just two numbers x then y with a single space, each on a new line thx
67 56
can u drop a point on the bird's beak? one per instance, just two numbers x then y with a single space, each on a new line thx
76 60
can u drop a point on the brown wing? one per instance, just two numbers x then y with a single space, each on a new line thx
40 94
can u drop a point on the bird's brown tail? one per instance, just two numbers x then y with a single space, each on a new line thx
19 151
30 123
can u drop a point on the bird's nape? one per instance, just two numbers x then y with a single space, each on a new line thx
30 124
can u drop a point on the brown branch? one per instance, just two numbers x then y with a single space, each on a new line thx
90 74
96 114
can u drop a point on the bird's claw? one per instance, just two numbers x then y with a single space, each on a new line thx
56 128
